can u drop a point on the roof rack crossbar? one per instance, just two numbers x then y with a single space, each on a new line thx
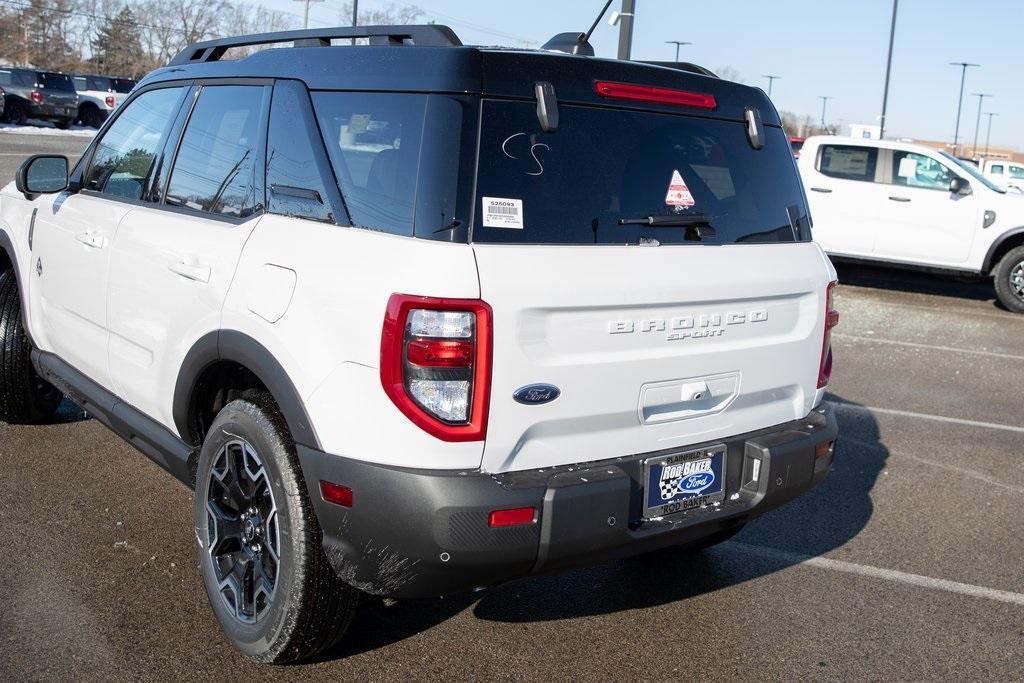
429 35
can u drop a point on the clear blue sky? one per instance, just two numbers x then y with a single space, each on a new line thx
819 47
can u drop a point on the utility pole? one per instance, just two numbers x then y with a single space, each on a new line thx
960 102
771 79
977 124
888 71
626 28
305 15
678 44
988 135
824 101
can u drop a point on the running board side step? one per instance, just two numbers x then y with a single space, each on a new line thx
154 440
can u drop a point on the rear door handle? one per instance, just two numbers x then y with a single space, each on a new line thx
191 271
824 190
900 199
91 239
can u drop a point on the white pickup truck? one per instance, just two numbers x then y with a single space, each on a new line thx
1009 175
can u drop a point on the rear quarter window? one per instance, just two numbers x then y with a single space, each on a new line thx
849 162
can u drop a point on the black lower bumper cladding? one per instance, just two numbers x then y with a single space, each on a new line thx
421 533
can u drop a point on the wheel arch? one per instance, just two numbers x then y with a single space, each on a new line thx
1007 241
216 350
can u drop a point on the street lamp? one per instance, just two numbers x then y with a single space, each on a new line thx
824 101
960 102
977 124
678 44
888 71
771 79
988 135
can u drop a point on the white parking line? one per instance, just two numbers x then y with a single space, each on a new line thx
891 575
934 347
925 416
1005 317
970 474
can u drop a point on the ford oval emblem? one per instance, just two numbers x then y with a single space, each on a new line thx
696 482
536 394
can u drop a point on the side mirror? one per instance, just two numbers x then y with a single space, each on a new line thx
959 186
42 174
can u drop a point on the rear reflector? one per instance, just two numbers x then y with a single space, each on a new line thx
512 517
336 493
823 449
440 353
646 93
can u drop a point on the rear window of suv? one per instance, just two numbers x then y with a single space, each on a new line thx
606 165
55 81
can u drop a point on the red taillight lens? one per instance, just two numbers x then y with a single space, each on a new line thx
36 96
109 99
831 320
336 493
435 363
512 517
646 93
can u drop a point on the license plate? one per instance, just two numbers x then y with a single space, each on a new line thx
684 480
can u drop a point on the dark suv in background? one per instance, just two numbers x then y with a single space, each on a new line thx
35 94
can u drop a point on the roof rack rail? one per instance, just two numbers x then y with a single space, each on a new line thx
685 66
429 35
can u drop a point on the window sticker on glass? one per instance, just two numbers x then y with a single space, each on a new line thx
359 123
500 212
678 193
908 167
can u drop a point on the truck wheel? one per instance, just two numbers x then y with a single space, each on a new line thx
15 113
63 124
270 585
25 397
1009 280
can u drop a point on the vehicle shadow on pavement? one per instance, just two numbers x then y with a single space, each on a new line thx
816 523
68 411
913 282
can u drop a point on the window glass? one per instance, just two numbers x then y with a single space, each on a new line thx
1017 171
25 78
295 185
997 169
374 144
918 170
5 77
123 85
80 83
124 155
215 170
54 81
605 171
849 162
100 83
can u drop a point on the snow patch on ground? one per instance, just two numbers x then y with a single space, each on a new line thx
46 128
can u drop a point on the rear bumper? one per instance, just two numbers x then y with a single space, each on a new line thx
421 533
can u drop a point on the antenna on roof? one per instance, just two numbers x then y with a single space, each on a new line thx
576 43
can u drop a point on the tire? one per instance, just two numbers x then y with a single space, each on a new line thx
1009 280
90 116
15 113
307 609
63 124
25 398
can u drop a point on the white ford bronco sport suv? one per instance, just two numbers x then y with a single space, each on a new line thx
415 318
914 206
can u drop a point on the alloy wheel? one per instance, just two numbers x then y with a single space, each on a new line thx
243 531
1017 280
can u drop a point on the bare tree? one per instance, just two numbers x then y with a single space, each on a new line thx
389 14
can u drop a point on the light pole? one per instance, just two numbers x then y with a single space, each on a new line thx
824 101
977 124
988 135
960 102
888 71
626 28
771 79
305 15
678 44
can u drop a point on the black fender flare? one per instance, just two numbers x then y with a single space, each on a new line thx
7 246
987 265
238 347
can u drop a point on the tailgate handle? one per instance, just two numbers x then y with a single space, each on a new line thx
821 189
694 391
685 398
899 199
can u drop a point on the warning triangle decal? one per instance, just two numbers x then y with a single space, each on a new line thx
678 192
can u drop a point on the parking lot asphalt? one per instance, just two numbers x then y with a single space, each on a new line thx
905 564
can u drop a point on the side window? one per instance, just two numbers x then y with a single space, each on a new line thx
918 170
124 155
80 83
996 169
295 181
5 77
25 79
1017 171
848 162
215 170
374 144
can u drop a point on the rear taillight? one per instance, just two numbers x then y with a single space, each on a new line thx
831 320
646 93
435 363
109 99
36 96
